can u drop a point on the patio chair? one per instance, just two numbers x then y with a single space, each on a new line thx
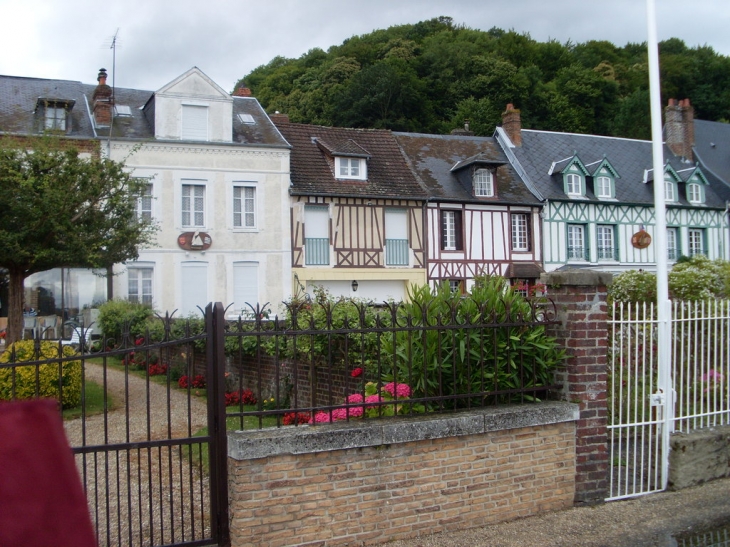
29 325
49 326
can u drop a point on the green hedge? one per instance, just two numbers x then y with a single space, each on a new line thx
30 381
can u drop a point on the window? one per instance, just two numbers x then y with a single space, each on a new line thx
55 118
144 203
695 193
245 288
606 243
483 183
351 168
316 235
456 286
193 287
670 189
244 207
396 237
451 239
573 184
696 241
520 232
194 123
139 288
193 205
576 242
603 187
246 118
672 244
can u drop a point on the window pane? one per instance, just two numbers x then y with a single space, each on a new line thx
449 230
575 242
483 183
604 187
672 247
193 205
519 232
606 249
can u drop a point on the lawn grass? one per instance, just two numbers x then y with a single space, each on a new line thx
94 402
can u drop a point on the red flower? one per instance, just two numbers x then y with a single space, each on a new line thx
139 341
356 372
292 418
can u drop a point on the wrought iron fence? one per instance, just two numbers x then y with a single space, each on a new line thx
345 360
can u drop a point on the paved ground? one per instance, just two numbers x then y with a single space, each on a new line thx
648 521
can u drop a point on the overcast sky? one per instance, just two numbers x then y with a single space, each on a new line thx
160 39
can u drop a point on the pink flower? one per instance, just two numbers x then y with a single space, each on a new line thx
356 372
401 391
355 398
373 399
712 376
320 417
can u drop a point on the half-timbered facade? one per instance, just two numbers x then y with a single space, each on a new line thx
598 199
356 213
481 218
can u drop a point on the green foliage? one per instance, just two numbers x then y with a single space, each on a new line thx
115 316
695 278
441 360
30 381
418 78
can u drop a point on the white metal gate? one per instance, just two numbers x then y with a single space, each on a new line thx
640 415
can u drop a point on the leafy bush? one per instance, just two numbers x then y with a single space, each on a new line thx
510 353
116 316
633 286
40 380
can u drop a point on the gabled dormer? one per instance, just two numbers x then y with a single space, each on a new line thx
52 114
695 183
478 174
604 179
347 159
573 173
671 182
191 108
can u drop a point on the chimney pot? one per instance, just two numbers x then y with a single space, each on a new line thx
512 124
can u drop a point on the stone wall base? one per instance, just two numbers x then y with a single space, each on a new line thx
698 457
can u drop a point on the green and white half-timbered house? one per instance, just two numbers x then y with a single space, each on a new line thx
598 199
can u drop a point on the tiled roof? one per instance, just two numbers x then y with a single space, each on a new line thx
712 150
18 98
439 160
629 157
312 167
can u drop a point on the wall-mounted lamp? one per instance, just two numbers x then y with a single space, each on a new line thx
354 286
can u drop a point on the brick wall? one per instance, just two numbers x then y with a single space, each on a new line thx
369 482
580 298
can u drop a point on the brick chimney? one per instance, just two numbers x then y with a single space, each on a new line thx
102 101
679 128
278 118
242 92
512 124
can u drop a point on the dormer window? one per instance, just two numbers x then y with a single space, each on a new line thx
351 168
573 184
695 193
194 122
54 113
603 187
670 189
483 183
55 118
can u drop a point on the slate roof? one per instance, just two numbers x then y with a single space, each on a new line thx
712 150
19 96
441 161
629 157
312 165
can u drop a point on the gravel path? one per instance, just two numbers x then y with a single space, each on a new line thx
137 493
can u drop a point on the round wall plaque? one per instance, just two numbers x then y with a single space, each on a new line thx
194 241
641 239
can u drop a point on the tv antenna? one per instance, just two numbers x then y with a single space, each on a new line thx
113 47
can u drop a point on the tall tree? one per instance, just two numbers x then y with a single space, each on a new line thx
63 209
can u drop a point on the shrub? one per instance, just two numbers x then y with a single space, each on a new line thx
116 316
40 380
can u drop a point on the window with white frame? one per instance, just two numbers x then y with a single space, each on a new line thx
144 203
193 205
672 244
451 239
483 183
604 187
695 193
351 168
670 189
194 122
605 235
520 232
244 207
316 235
576 242
139 285
55 118
396 237
573 184
696 241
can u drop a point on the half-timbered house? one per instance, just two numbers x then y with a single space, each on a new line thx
481 217
598 199
357 226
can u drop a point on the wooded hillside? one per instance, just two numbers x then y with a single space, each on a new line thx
433 75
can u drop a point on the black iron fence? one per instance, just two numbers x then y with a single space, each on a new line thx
147 415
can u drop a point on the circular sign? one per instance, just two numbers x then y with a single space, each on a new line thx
194 241
641 239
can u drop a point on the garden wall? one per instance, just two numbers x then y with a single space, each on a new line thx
699 456
372 481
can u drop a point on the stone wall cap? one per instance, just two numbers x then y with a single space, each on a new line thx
577 277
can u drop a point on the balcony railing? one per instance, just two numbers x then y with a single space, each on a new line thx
578 253
396 252
316 251
672 254
608 253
